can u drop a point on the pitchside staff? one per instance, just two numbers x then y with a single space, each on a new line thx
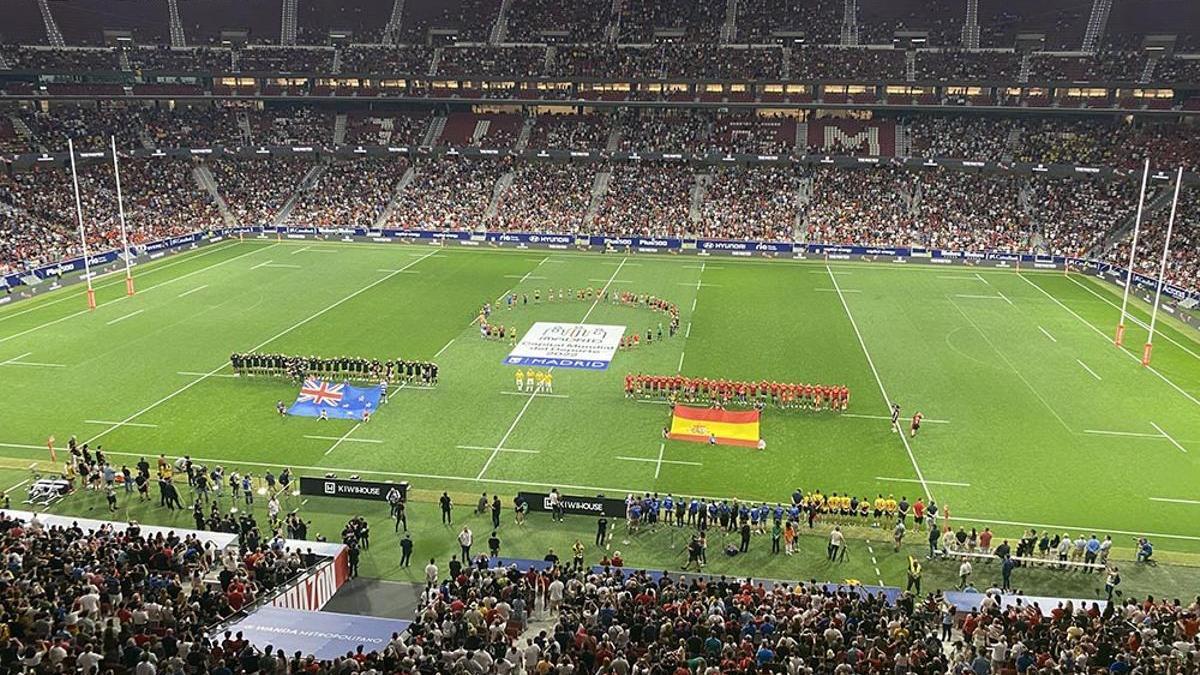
352 368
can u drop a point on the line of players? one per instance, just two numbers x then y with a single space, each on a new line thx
496 331
350 368
881 511
534 381
725 392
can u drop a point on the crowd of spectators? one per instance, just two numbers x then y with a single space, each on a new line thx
386 128
761 203
72 59
620 621
1105 66
348 193
762 21
256 190
88 126
400 60
967 65
647 199
545 197
286 60
200 59
1072 216
518 62
695 21
554 21
960 137
751 134
867 206
571 132
965 211
677 131
447 194
838 63
1183 262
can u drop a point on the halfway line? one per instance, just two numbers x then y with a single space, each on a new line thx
914 480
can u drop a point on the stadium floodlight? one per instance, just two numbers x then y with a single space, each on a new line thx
121 212
87 265
1137 228
1162 271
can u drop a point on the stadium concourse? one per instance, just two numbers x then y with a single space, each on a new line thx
997 131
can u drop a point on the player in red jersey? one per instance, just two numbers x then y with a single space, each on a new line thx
916 424
629 386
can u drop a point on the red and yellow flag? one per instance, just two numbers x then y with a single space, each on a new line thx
725 426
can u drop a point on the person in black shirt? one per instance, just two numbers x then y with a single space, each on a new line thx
446 506
601 530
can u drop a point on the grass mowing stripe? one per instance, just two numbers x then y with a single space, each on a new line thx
180 258
871 362
255 348
1102 334
504 439
124 297
1012 367
1136 321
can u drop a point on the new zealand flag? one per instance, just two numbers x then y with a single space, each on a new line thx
337 400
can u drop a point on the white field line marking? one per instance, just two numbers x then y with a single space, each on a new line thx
913 480
658 461
193 373
1134 434
515 422
215 248
1174 501
15 359
1047 334
180 258
698 285
834 290
888 418
343 438
980 277
688 332
1090 371
663 446
323 250
693 304
484 447
1136 321
284 266
255 348
1013 368
701 266
622 264
523 277
958 277
72 315
589 488
14 487
187 293
261 264
652 401
394 271
444 348
826 272
122 318
979 297
700 276
34 364
122 424
679 368
600 281
536 394
1002 295
299 250
886 399
1108 338
1168 437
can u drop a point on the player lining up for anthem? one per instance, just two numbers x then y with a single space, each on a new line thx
724 392
352 368
535 381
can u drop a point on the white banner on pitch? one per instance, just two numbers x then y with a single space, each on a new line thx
567 345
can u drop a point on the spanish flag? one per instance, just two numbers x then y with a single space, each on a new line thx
727 427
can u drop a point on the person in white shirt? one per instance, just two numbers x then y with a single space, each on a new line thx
431 573
464 541
964 573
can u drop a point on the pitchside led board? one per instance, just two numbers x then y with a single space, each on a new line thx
584 346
